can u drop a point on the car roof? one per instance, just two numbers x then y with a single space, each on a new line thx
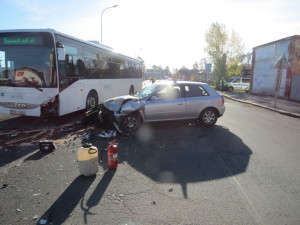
208 88
160 82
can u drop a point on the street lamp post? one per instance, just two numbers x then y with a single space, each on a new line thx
102 14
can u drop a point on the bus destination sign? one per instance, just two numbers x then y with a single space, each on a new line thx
21 41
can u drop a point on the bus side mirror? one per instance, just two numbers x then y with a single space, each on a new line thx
61 51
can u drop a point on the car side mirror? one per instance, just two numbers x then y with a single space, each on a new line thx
153 98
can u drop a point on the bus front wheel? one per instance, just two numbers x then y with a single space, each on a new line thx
92 100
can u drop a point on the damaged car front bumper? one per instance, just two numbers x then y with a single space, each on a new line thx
124 113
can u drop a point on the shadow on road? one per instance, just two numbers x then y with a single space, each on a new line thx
61 209
97 194
38 155
180 153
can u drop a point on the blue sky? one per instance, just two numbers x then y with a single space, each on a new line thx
163 32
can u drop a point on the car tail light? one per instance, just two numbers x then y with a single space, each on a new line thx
19 74
223 100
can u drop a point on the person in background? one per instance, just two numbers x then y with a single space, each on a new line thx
153 79
222 84
174 79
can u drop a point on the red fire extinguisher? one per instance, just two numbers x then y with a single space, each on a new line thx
112 154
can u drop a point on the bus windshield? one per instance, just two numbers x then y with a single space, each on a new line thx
27 60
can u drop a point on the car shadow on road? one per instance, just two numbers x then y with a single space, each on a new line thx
185 153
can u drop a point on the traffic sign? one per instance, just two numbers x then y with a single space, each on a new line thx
208 67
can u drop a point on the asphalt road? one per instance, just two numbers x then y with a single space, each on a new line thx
244 170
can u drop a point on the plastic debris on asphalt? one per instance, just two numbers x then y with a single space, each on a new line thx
117 128
108 134
86 135
162 146
4 186
43 222
35 217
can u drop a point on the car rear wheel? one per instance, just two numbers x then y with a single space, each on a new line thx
230 89
208 117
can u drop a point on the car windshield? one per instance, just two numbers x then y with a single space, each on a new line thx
146 92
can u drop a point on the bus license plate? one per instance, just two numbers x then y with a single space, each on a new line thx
15 112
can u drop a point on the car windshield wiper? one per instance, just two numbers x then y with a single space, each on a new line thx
27 82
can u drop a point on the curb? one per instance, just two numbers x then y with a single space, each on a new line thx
295 115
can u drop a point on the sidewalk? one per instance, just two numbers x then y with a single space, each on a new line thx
283 106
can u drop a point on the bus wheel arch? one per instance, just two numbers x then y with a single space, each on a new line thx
131 90
92 99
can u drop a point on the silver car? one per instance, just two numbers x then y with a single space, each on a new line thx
164 101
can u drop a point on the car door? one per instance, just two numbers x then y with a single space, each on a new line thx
197 98
245 83
239 85
166 104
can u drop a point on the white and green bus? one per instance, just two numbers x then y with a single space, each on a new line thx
47 73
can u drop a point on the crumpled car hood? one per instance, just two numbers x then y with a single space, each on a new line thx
115 104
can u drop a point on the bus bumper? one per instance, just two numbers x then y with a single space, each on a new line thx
21 112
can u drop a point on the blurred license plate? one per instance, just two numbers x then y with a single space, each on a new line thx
15 112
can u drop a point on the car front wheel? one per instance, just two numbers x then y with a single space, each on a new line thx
131 123
230 89
208 117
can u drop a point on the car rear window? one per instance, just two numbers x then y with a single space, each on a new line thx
195 91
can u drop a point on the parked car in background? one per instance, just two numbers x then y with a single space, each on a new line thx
164 101
238 84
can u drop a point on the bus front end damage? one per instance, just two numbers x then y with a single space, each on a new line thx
124 113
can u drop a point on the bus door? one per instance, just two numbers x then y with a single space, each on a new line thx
70 85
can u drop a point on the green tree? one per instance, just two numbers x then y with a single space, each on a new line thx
216 39
183 68
167 71
225 52
196 66
157 67
235 51
246 65
142 61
